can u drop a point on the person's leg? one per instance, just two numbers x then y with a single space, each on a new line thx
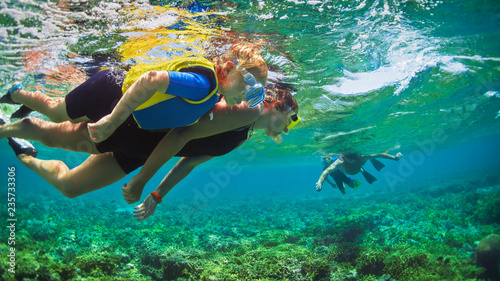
54 108
91 100
339 180
65 135
341 177
96 172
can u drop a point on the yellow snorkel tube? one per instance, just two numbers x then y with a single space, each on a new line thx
295 121
295 118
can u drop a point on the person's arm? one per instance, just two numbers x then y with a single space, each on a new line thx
178 173
138 93
334 166
224 119
396 157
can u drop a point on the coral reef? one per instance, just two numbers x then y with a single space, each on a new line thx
488 257
422 235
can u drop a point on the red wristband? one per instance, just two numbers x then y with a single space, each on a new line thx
155 194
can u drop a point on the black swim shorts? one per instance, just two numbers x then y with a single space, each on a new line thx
96 97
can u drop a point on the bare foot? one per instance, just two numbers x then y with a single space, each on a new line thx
101 130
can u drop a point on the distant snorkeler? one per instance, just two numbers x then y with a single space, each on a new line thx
338 176
352 163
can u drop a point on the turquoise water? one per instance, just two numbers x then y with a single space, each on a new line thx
422 77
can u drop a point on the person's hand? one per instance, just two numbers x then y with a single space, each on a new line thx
319 186
399 155
102 129
133 190
146 209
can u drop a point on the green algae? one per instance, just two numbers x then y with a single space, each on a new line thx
424 235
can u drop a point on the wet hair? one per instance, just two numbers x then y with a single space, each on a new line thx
271 85
284 96
351 156
247 56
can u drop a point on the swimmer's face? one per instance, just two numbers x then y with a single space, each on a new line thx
277 124
233 89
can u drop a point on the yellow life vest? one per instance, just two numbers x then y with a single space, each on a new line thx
177 64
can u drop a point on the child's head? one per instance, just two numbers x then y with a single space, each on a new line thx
247 57
232 66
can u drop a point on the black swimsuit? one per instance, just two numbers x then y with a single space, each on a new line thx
132 146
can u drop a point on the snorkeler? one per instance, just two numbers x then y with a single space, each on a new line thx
352 163
130 146
165 95
160 99
338 176
230 76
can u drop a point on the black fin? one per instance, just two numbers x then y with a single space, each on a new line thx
6 99
21 146
368 177
22 112
377 164
341 188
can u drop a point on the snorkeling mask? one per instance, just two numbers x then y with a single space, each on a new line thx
254 91
326 160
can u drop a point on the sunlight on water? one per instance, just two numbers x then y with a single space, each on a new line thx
377 65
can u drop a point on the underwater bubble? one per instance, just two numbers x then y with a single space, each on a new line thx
491 94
